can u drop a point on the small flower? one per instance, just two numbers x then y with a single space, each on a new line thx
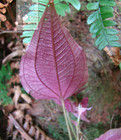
78 112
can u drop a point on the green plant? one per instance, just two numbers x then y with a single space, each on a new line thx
94 131
5 75
57 133
60 132
99 23
36 11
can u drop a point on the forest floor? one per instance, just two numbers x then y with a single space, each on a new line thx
103 88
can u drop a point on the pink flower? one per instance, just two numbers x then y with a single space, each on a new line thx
77 111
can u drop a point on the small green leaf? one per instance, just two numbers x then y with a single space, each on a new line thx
61 8
112 37
106 15
92 17
99 40
27 40
103 45
34 14
41 1
106 9
27 33
75 3
95 27
32 20
107 2
30 27
93 6
115 44
93 35
108 23
37 7
111 31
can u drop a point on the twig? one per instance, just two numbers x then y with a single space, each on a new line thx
9 32
12 55
19 128
111 121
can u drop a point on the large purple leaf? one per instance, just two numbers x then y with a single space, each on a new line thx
54 65
112 134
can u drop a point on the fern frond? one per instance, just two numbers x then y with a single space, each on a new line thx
32 19
100 20
5 75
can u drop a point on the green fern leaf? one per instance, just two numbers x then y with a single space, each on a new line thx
108 23
100 24
111 31
107 2
5 75
99 40
27 40
115 44
106 9
106 15
61 8
92 17
103 44
95 27
75 3
93 6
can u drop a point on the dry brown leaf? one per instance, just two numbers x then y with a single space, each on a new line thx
32 131
8 25
3 10
9 1
9 108
14 65
17 94
23 106
28 118
114 54
21 123
26 98
3 5
18 114
37 134
2 17
26 126
19 128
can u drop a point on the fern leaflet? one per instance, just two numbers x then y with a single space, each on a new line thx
99 21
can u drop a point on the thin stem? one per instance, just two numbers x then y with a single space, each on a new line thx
65 115
77 128
72 129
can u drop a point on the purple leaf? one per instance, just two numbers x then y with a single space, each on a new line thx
112 134
54 66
